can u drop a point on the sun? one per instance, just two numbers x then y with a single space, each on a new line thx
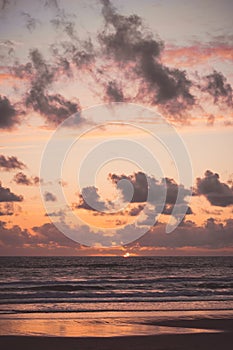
126 255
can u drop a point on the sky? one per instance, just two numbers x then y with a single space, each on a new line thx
116 123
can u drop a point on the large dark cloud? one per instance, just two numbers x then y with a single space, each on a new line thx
125 39
217 193
8 114
164 196
147 188
22 179
7 196
216 85
10 163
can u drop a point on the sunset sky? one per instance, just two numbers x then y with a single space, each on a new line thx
131 82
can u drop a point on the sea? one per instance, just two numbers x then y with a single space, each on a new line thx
76 288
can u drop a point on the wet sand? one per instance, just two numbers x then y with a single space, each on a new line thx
212 340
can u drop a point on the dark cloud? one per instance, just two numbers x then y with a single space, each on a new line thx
164 196
54 107
47 236
90 200
7 196
136 210
212 236
14 236
114 93
84 56
10 163
79 52
216 85
8 114
139 183
6 209
23 70
172 191
22 179
217 193
147 188
49 197
125 39
59 214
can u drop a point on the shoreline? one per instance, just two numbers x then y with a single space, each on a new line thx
200 341
108 324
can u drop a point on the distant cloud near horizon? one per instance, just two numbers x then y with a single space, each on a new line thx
210 237
213 235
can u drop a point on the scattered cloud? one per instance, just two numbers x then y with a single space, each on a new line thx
10 163
22 179
216 85
9 115
6 209
49 197
7 196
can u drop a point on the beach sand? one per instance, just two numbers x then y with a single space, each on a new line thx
211 340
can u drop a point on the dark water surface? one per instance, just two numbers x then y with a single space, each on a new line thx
81 284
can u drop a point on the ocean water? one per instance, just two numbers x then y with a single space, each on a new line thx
114 284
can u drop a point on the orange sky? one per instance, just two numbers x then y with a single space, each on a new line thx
170 85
